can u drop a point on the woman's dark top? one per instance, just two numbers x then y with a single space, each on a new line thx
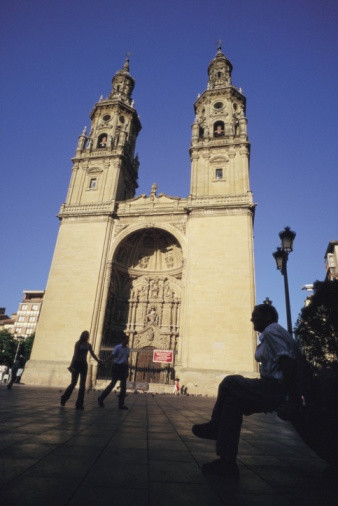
81 350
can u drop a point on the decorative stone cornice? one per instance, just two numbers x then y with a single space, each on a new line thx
238 200
86 209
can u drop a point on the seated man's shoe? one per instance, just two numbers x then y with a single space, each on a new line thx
100 402
123 407
219 467
205 431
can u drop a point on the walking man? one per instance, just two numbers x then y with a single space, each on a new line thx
119 371
238 396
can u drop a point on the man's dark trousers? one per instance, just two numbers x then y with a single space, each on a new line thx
238 396
118 372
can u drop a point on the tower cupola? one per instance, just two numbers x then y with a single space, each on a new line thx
123 84
219 71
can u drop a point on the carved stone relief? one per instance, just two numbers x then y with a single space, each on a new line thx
145 291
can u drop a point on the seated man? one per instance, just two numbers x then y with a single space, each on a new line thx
238 396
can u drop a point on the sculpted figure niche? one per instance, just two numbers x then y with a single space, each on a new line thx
152 316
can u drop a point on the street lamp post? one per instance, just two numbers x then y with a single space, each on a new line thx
281 256
20 340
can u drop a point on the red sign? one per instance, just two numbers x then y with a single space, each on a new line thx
163 356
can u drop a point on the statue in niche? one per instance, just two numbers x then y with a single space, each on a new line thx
168 292
154 288
150 335
169 260
235 124
152 316
143 262
143 292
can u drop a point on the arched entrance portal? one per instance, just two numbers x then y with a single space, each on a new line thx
144 302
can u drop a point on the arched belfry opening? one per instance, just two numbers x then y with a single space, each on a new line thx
144 301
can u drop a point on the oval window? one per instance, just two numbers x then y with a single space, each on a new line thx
218 105
106 117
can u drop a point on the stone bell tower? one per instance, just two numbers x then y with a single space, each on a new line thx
105 170
217 335
219 146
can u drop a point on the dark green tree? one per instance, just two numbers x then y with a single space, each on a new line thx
317 326
7 348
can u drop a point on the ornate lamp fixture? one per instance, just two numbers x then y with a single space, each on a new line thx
281 256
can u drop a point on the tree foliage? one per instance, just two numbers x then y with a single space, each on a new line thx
7 348
317 326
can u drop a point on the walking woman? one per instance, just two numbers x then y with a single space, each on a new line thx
79 367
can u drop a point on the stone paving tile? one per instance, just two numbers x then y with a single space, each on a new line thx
179 472
146 456
113 455
103 496
119 474
11 467
38 490
170 455
182 494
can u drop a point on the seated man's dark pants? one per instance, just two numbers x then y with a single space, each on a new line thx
118 372
238 396
79 369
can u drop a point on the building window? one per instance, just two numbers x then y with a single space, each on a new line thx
32 318
93 183
219 174
18 330
21 319
35 307
24 307
29 331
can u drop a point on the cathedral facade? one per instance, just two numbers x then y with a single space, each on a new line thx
174 274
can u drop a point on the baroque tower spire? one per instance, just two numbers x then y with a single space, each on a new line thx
219 145
105 168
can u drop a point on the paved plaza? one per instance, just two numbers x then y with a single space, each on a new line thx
145 456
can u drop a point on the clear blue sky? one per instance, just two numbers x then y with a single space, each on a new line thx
58 57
